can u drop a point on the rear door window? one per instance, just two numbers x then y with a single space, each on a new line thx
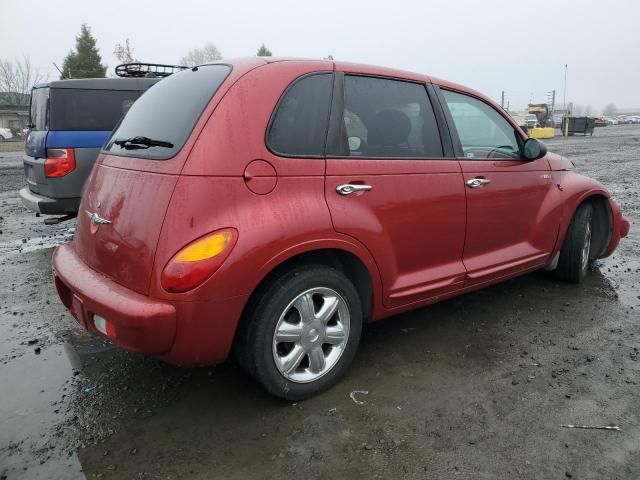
168 112
386 118
79 109
299 125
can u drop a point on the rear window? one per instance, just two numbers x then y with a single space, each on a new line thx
79 109
38 112
168 112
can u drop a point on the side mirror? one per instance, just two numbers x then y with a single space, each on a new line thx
533 149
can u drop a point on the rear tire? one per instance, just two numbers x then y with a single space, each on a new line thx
301 332
574 260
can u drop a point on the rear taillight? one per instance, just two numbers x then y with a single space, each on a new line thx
198 261
59 162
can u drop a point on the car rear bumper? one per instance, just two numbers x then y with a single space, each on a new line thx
140 324
47 205
180 332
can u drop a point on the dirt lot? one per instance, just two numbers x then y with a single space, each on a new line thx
476 387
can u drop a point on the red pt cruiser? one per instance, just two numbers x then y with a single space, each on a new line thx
270 207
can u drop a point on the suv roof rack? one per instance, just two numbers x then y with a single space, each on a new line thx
147 70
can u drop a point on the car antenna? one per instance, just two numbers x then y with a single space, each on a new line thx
61 74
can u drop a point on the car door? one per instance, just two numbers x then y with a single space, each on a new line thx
511 223
389 185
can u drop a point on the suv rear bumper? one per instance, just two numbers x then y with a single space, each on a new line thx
47 205
141 324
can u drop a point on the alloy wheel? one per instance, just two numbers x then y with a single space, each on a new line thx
311 335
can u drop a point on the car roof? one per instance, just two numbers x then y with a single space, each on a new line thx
367 69
101 83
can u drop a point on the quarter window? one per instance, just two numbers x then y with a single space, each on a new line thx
299 125
483 132
39 104
387 118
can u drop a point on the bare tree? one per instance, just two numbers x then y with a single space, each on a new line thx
124 52
198 56
610 109
17 78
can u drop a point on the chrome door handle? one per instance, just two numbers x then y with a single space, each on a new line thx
477 182
349 188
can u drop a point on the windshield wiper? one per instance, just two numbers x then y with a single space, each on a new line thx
141 142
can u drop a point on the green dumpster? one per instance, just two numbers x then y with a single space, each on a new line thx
573 125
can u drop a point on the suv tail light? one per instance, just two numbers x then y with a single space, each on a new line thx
198 261
59 162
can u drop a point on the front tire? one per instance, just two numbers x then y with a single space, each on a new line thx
302 332
576 250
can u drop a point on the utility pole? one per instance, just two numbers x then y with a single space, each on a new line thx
564 95
551 103
502 100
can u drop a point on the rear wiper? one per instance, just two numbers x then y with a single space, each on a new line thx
141 142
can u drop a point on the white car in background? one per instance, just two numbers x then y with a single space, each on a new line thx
5 134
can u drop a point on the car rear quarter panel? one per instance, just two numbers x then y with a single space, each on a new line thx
212 192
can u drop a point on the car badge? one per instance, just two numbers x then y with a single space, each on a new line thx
96 220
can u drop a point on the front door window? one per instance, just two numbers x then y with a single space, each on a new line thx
483 132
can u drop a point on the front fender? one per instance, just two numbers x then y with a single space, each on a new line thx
576 189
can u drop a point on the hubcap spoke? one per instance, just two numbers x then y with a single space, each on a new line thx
289 333
292 360
335 334
586 247
297 345
304 306
316 360
328 309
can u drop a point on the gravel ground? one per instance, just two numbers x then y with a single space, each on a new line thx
476 387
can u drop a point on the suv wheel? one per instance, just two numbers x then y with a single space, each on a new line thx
576 249
303 332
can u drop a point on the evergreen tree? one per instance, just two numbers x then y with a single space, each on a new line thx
264 51
86 61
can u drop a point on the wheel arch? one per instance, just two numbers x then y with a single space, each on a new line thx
359 268
362 272
602 223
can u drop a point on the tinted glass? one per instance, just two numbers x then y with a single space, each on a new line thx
85 109
169 111
483 132
38 113
388 118
299 126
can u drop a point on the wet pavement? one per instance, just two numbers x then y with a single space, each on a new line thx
475 387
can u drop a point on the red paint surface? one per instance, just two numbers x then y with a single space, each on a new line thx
421 233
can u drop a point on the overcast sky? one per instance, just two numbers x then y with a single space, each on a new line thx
490 45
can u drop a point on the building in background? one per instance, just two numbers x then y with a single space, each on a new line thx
14 111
